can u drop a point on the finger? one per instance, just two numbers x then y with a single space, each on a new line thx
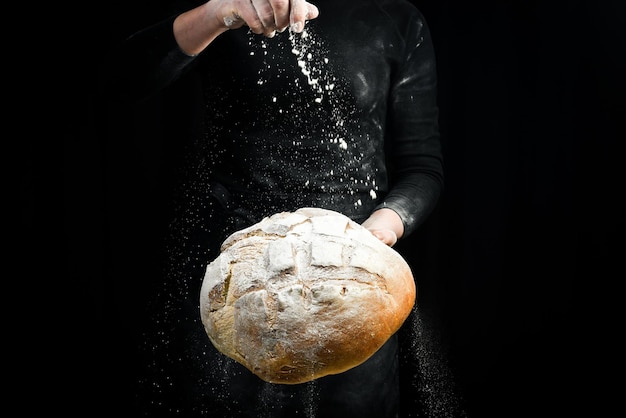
298 15
281 14
266 16
312 11
387 236
247 11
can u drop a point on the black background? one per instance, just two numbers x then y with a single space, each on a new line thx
520 265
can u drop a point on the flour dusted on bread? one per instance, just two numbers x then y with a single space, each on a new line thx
301 295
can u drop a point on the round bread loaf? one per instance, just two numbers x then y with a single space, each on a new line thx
304 294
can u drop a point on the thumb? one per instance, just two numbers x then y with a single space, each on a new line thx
387 236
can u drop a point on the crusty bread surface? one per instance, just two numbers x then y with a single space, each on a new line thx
301 295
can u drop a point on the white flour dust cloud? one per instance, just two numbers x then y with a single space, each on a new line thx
317 75
434 383
312 59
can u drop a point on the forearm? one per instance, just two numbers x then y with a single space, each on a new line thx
195 29
414 153
413 199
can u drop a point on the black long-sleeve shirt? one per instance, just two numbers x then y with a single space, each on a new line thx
342 116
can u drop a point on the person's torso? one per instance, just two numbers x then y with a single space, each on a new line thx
304 114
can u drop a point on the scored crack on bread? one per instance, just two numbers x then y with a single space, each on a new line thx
301 295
